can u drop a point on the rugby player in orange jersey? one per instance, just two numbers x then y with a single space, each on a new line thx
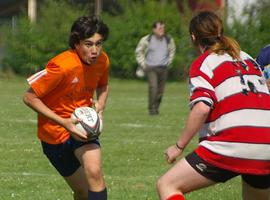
68 81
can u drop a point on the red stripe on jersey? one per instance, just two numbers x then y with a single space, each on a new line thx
240 101
243 135
229 69
196 65
203 92
258 167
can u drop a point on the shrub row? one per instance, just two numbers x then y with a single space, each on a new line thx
29 47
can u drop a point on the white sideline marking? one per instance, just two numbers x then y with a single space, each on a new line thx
34 121
46 174
143 125
25 174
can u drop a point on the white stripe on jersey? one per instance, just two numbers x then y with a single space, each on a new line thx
36 76
239 150
213 61
257 118
232 86
200 82
209 100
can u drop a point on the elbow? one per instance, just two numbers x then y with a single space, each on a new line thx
26 99
202 108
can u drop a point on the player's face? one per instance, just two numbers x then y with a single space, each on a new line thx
89 49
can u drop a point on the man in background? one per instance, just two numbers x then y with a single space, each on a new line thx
154 54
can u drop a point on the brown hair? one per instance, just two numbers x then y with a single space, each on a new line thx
207 28
85 27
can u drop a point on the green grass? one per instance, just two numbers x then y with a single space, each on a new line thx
132 143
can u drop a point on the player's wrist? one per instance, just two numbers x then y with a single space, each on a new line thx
179 147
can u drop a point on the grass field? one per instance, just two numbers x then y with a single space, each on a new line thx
132 143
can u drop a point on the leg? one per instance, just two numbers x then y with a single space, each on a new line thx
78 184
63 159
252 193
162 77
152 90
181 179
90 158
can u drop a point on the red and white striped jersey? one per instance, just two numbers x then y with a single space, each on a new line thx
236 135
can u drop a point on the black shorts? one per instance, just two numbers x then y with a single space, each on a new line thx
221 175
62 155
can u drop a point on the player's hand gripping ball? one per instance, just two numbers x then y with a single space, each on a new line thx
90 124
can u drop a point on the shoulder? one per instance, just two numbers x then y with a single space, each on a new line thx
145 38
199 60
245 56
197 63
266 49
208 62
103 59
264 56
66 59
169 39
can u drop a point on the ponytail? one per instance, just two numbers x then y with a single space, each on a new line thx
227 45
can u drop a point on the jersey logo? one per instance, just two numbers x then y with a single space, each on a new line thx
75 80
202 167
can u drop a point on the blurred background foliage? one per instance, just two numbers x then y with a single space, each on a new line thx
30 46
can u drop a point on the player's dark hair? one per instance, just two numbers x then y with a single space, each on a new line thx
155 23
207 28
85 27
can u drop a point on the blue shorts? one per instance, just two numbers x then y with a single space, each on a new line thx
62 155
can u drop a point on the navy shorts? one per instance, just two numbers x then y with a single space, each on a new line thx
221 175
62 155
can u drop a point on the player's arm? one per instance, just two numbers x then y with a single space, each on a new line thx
195 121
102 95
33 101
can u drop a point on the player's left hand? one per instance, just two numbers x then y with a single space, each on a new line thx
99 109
172 153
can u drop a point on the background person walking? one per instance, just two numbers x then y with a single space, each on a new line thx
154 53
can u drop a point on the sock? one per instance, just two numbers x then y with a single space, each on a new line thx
102 195
176 197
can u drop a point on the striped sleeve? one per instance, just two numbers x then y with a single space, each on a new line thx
46 80
201 88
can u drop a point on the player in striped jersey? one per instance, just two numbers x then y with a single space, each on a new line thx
230 108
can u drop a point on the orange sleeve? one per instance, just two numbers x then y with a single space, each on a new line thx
46 80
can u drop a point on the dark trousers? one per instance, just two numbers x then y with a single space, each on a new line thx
156 77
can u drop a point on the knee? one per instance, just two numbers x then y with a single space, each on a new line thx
161 185
93 173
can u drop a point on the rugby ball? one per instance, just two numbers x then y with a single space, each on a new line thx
90 124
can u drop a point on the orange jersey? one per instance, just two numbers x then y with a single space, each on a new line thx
64 85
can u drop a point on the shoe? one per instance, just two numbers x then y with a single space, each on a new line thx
155 112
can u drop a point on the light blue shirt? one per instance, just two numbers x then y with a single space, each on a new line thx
157 54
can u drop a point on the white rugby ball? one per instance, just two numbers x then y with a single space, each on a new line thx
90 124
